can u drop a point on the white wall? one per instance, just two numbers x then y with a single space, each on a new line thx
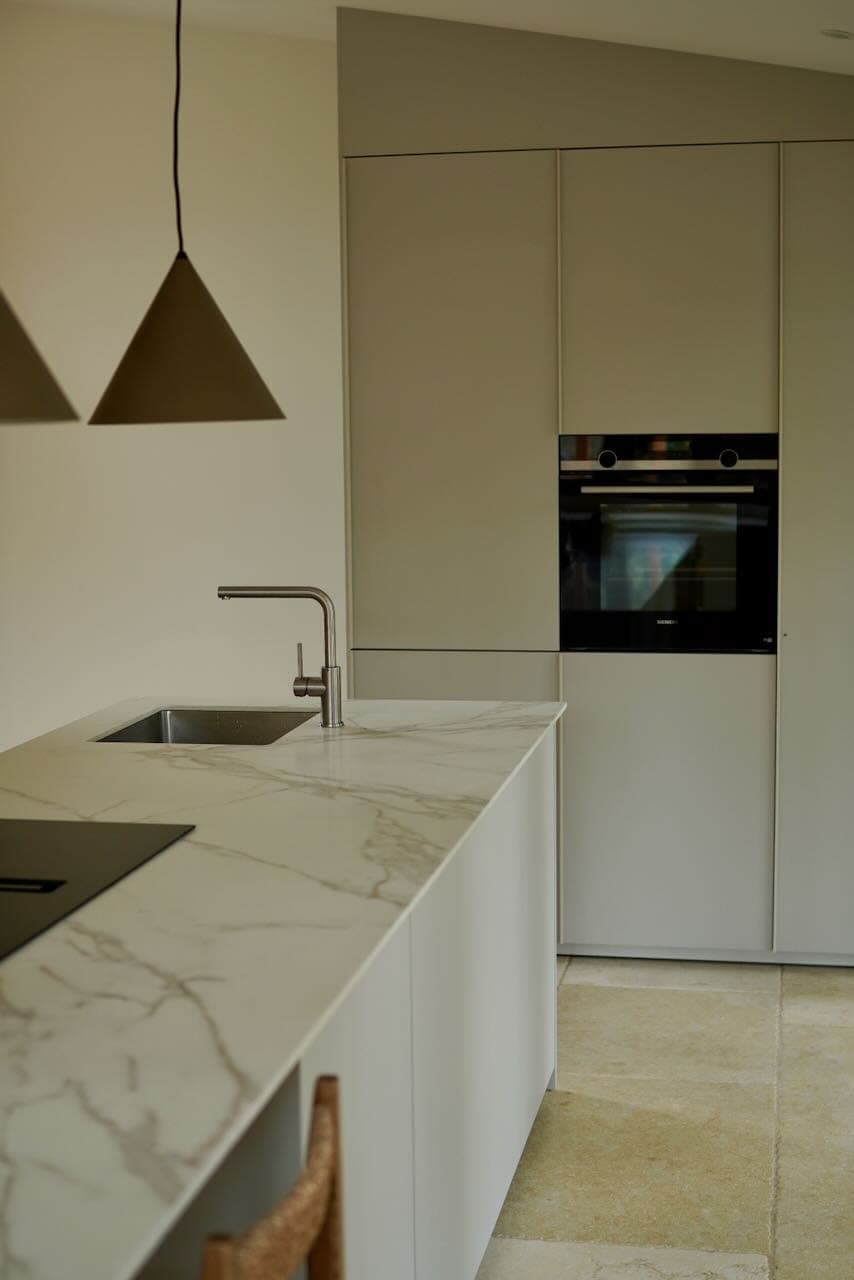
113 539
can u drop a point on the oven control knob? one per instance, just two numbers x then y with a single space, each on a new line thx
728 458
607 458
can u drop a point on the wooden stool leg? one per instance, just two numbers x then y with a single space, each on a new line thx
218 1260
326 1259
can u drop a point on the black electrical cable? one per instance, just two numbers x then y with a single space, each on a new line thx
181 253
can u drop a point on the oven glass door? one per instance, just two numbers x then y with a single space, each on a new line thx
676 565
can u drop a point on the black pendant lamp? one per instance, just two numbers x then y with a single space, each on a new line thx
28 390
184 363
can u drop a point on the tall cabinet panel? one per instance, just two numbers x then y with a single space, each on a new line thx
815 867
669 284
667 774
451 282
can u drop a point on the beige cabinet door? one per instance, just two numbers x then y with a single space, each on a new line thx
667 794
815 843
669 264
452 354
471 677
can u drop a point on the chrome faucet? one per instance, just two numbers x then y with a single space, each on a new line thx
326 686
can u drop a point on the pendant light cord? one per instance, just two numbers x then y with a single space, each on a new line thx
178 7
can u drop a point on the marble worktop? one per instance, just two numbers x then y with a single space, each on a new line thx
136 1042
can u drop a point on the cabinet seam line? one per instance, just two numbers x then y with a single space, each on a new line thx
412 1073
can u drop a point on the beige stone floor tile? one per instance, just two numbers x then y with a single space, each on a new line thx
818 996
562 963
676 974
682 1165
815 1171
815 1232
543 1260
817 1085
712 1036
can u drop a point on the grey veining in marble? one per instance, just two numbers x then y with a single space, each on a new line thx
134 1042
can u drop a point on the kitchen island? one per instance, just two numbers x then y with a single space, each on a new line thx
376 901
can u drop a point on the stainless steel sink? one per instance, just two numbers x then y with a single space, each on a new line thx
237 726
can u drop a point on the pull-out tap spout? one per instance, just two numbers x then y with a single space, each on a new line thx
327 686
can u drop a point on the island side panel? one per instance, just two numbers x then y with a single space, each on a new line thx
367 1043
483 947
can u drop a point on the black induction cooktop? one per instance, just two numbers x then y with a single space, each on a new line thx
49 868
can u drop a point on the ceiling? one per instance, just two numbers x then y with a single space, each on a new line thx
782 31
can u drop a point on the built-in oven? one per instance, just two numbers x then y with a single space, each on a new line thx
668 543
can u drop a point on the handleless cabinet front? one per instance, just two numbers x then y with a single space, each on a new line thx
815 847
669 260
452 346
471 677
667 781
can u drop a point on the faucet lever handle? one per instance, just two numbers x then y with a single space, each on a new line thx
305 686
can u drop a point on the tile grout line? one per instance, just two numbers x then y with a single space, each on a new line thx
697 988
629 1245
752 992
775 1148
746 1081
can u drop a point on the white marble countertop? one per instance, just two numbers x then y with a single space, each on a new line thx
135 1041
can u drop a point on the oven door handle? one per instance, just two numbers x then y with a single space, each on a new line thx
652 489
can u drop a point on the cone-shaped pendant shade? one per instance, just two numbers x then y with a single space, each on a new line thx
28 390
185 364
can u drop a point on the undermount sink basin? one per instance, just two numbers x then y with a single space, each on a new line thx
234 726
